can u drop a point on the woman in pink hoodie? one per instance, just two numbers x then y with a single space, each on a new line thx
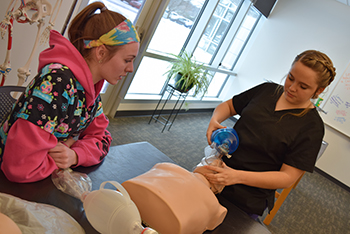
58 122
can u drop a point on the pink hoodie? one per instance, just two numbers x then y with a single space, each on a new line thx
25 157
62 51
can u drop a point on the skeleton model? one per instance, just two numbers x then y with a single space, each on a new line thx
42 8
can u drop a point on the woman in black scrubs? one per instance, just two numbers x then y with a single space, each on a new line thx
280 134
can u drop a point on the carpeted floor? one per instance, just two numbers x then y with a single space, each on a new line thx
184 143
317 205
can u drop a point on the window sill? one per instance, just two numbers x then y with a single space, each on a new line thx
146 98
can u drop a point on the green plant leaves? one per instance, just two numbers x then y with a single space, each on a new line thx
193 74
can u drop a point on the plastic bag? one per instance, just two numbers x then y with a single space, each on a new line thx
37 218
72 183
101 206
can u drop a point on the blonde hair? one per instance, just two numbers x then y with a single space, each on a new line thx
88 25
322 65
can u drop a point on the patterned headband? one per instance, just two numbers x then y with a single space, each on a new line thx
123 33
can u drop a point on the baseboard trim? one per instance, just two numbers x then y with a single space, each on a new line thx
165 112
331 178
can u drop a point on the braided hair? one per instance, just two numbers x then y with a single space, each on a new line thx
321 64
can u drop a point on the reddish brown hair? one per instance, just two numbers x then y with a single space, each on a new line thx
88 25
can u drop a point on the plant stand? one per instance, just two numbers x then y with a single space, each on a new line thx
181 97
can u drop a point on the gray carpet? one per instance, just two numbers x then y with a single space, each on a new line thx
317 205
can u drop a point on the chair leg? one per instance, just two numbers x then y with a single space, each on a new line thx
278 204
297 182
280 199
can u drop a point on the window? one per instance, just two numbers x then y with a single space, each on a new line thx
216 32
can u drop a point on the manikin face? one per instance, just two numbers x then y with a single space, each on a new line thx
300 85
120 64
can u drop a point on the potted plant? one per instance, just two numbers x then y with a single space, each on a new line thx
188 74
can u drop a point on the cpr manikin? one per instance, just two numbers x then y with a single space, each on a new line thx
168 198
173 200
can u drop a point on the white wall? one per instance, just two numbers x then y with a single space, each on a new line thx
293 27
24 36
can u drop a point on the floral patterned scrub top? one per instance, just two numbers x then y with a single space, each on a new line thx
55 102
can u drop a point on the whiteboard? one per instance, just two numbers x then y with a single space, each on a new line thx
337 106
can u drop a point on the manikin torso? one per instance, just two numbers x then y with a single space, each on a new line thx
173 200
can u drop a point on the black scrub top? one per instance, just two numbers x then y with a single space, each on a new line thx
269 138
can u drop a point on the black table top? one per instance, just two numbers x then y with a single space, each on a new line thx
122 163
237 221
